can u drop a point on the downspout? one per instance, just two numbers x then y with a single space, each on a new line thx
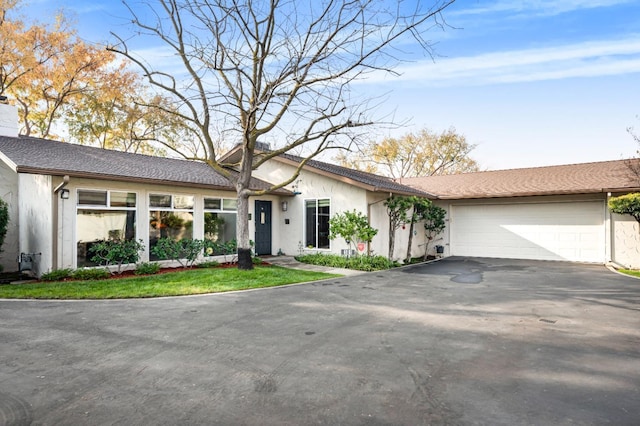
54 249
609 226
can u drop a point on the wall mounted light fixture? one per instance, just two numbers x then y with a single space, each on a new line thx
64 194
285 206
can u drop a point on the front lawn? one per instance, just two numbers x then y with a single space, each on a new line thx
196 281
632 272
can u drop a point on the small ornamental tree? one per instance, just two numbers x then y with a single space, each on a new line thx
626 204
419 206
434 224
353 227
398 211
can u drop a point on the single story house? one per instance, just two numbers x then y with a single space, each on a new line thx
545 213
63 198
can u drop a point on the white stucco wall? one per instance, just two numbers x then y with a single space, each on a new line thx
343 196
625 241
9 193
36 221
67 251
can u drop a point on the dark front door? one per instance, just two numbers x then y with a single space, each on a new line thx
263 227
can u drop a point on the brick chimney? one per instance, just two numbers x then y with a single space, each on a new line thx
8 118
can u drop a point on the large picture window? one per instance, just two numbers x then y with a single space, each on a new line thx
317 223
100 216
220 220
170 216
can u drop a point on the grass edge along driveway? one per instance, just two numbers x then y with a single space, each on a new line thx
196 281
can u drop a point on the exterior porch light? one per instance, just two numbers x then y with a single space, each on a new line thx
284 205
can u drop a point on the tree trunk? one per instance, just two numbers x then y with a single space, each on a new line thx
245 261
392 239
408 258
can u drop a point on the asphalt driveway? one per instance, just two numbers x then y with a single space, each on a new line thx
460 341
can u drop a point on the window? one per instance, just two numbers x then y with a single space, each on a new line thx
220 225
103 215
170 216
317 223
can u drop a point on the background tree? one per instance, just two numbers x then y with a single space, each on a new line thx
634 163
415 154
64 86
278 70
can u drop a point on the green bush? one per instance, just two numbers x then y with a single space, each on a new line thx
57 275
185 249
90 274
4 221
626 204
116 252
146 268
256 260
359 263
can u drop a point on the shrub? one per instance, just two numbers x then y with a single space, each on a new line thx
116 252
256 260
146 268
4 221
184 249
90 274
57 275
359 263
626 204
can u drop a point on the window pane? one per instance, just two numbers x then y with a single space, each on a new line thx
93 198
230 204
183 202
156 200
123 199
310 223
219 233
168 224
98 225
323 224
212 204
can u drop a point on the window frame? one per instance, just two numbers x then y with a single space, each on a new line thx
317 224
103 207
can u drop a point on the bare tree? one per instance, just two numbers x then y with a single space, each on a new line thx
634 163
275 70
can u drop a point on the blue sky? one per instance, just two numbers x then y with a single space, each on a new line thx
531 82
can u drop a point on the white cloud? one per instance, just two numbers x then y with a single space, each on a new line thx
587 59
538 8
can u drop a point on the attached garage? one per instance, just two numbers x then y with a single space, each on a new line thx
547 231
545 213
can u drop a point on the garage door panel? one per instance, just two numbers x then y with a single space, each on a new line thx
553 231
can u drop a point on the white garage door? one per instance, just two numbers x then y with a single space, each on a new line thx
554 231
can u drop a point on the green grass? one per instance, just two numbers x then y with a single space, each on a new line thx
632 272
196 281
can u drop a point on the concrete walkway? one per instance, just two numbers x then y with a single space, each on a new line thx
291 262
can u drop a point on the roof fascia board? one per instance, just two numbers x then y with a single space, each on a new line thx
13 166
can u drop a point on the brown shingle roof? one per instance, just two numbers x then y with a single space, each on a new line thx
605 176
34 155
372 182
